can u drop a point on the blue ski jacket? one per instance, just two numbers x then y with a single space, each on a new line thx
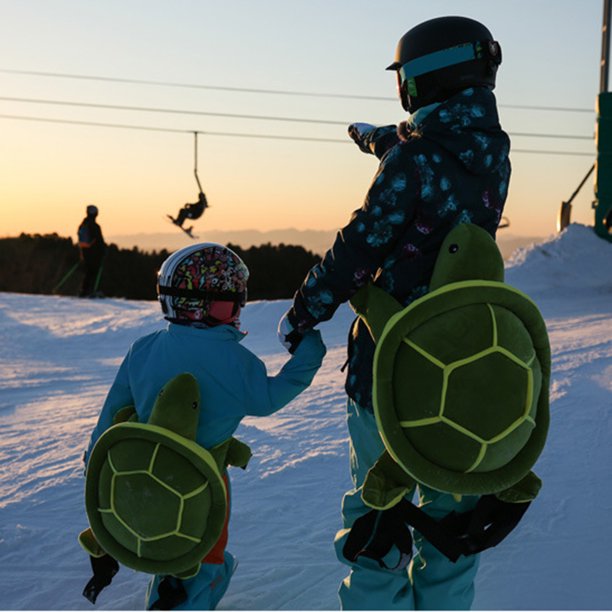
233 381
454 168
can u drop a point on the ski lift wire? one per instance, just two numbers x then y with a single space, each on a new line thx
173 111
285 92
236 134
237 115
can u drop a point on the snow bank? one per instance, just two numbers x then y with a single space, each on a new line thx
576 260
58 356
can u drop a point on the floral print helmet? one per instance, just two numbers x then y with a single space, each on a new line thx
196 278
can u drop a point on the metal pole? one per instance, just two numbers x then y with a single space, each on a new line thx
603 178
605 47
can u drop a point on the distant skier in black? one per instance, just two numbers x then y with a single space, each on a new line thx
93 247
191 211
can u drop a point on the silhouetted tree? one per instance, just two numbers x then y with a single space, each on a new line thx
37 263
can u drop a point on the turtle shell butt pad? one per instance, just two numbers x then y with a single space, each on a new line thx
461 380
155 500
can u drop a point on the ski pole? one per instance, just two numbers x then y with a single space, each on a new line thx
98 276
66 276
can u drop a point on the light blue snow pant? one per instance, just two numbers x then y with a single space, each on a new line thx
432 582
204 590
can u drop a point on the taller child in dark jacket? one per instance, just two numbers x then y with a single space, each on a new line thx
448 165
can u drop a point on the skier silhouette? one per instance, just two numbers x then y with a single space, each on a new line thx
191 211
92 248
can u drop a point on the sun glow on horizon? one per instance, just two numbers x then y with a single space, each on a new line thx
50 172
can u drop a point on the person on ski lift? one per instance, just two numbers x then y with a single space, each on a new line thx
447 164
191 211
92 248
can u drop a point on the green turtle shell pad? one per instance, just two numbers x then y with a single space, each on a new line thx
461 387
155 500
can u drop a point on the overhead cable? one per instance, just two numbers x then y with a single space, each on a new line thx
235 134
147 109
284 92
173 130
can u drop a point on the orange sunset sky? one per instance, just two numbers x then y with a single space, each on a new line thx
50 171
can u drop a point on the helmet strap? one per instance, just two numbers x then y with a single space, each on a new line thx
200 294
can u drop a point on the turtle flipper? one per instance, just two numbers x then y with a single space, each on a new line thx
89 544
386 484
375 307
231 452
127 413
525 490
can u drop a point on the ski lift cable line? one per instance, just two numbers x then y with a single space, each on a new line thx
234 134
170 130
147 109
285 92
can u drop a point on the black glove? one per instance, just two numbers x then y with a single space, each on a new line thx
104 568
375 533
287 333
487 525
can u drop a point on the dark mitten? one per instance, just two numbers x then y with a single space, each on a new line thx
171 592
288 334
491 521
104 568
375 533
293 339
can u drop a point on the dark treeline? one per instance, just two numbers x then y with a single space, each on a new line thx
38 263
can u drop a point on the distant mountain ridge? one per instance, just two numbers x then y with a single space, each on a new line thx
317 241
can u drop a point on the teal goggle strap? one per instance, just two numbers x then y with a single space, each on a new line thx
450 57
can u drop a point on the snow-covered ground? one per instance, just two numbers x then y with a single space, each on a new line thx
58 356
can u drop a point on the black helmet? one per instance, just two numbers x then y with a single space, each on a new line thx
440 57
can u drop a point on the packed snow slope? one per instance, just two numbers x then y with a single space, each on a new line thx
58 357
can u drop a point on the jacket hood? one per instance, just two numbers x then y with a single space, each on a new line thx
467 126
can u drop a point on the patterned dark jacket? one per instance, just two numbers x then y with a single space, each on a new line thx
453 169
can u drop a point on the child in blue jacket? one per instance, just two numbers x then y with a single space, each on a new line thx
202 289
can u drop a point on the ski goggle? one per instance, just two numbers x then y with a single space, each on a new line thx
444 58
